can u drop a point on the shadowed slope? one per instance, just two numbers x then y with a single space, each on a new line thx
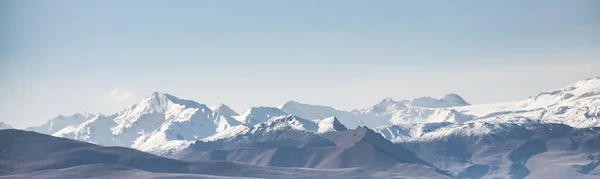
32 155
359 148
537 151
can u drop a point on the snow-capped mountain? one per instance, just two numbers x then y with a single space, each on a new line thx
60 122
388 111
281 123
224 109
389 107
442 131
273 124
5 126
312 111
418 110
577 105
330 124
255 115
449 100
160 123
317 112
433 131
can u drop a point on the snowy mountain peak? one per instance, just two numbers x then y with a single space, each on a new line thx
291 103
83 115
159 101
387 100
60 122
315 110
291 121
587 85
318 112
582 89
158 96
588 82
163 107
159 104
224 109
255 115
284 122
386 106
330 124
449 100
455 99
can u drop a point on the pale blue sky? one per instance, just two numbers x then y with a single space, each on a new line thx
62 57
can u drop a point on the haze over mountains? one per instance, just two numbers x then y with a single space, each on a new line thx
446 137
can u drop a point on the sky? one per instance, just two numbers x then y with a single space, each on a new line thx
64 57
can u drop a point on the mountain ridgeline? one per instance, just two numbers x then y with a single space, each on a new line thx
551 134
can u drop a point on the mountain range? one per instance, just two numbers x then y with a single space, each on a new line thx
445 137
28 154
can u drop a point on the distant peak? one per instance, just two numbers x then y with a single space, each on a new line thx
332 118
590 82
390 103
387 100
158 94
593 78
163 97
294 105
224 109
580 88
291 103
219 106
330 124
255 115
159 101
286 117
452 97
385 106
449 100
262 108
77 115
155 95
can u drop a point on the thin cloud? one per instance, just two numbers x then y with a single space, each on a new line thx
119 95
